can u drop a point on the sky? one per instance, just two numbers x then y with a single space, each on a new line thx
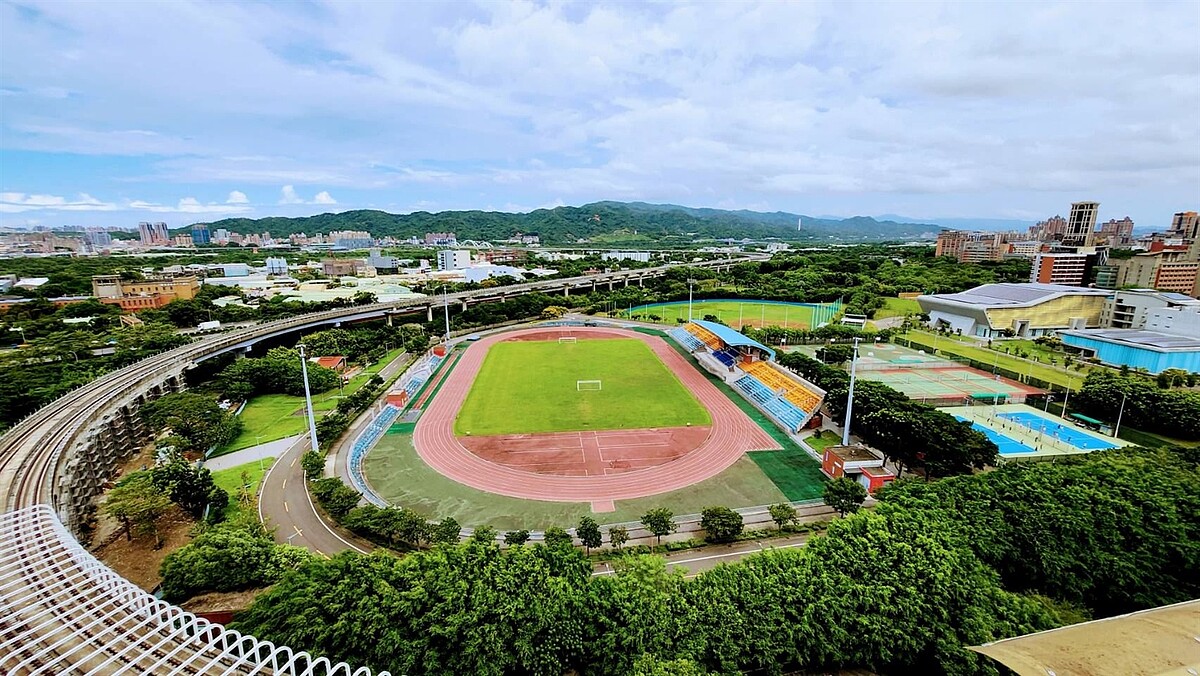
115 113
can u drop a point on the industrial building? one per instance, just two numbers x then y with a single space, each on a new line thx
1153 351
1023 310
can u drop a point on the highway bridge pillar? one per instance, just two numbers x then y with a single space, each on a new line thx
464 307
389 320
639 281
626 281
610 285
566 290
429 313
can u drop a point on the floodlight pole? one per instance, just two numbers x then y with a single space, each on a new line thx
1066 398
850 395
1119 414
312 424
446 309
690 282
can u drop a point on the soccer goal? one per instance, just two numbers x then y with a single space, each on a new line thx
588 385
566 339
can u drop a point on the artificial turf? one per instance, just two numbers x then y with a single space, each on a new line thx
531 386
735 313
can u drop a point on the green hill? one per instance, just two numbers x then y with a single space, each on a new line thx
600 222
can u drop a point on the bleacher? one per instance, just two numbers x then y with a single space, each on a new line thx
705 336
727 356
781 409
794 392
686 339
365 442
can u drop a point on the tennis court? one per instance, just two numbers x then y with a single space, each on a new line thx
1072 435
936 381
1007 446
1023 431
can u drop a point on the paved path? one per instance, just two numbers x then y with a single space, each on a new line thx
696 561
284 504
271 449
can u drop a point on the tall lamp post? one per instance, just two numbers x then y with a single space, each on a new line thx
1119 414
850 395
312 423
690 282
446 308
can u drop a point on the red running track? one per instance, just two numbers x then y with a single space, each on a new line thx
732 434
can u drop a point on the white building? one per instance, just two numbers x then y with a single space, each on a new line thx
639 256
453 259
1131 309
235 269
1176 321
1059 268
277 266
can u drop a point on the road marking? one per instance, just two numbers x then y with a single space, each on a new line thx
284 485
292 463
285 508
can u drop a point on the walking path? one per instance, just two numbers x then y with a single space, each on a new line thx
271 449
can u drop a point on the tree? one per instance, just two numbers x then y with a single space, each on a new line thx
721 524
313 463
555 537
446 532
589 533
554 312
194 418
844 495
659 522
138 504
617 537
783 514
483 535
838 353
229 557
190 487
335 496
516 538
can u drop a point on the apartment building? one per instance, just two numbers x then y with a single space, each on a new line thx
1068 269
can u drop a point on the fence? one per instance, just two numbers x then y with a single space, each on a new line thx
990 368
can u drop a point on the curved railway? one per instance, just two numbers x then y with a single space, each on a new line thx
52 591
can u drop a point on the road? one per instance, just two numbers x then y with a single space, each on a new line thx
284 503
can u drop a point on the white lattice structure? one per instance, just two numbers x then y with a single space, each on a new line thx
64 612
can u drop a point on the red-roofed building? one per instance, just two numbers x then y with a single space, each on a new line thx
859 463
335 363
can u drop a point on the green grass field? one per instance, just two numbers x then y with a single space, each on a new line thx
897 307
530 386
230 480
398 474
268 417
735 313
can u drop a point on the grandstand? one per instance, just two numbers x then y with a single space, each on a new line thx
790 401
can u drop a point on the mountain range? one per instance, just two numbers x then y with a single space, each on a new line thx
598 223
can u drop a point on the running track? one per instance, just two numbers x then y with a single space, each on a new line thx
732 434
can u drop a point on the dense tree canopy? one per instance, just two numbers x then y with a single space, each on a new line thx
278 372
1175 413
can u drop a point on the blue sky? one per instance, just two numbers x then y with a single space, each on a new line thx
112 113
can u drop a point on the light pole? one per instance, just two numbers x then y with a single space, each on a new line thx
1119 414
446 308
312 423
690 282
22 330
1049 398
1066 398
850 395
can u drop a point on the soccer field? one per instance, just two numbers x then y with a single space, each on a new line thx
530 386
739 313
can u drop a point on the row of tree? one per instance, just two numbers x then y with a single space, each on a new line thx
1175 413
278 372
902 588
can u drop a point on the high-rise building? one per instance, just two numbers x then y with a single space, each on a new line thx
1081 224
441 239
1165 270
200 235
97 237
277 266
453 259
1059 268
154 234
1116 233
1050 229
1185 224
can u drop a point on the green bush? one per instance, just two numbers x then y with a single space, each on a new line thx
228 557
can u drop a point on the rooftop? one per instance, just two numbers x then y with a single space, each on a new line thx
1153 340
1157 641
1010 294
731 337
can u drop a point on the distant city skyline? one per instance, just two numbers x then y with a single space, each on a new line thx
118 113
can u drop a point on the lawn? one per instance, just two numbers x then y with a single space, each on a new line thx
960 348
398 474
737 313
230 480
897 307
268 417
531 386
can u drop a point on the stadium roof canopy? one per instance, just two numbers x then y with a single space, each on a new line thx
1007 294
64 612
1163 640
731 337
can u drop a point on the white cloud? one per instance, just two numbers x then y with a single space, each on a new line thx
18 202
324 197
288 196
237 197
188 205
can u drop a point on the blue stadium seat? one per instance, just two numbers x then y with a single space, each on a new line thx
686 339
781 409
728 356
